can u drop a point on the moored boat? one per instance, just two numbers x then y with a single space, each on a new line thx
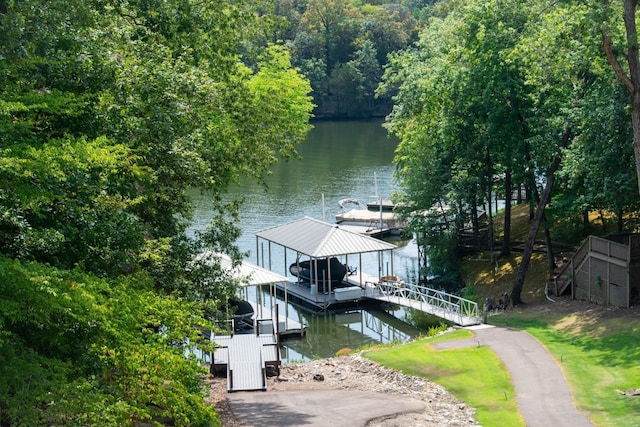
242 314
321 270
381 205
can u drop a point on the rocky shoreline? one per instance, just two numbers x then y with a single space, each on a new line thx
354 372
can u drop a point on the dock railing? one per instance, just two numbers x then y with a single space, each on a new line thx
453 306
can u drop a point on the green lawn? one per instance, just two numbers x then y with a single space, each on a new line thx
600 357
474 375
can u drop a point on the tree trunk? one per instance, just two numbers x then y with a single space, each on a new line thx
475 223
549 245
620 220
530 185
444 214
603 221
490 217
489 205
632 81
516 290
506 238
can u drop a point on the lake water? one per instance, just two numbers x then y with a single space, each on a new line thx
348 159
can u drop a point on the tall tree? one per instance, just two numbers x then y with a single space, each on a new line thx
480 116
177 105
109 113
562 67
333 21
370 70
631 78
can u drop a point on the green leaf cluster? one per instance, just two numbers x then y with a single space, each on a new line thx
110 113
80 350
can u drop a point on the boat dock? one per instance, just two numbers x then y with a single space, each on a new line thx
304 293
321 241
246 358
364 287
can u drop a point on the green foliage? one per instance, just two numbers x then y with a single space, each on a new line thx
82 350
502 89
68 203
599 170
109 113
443 269
470 293
342 47
436 330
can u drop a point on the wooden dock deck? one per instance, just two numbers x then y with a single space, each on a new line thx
246 358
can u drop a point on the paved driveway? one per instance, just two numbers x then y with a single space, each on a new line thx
544 397
318 408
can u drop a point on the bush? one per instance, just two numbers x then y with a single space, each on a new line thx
344 352
78 350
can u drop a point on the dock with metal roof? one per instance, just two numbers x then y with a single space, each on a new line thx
317 240
321 240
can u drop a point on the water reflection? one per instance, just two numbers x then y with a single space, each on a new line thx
339 160
330 332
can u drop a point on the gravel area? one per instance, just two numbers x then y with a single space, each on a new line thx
356 373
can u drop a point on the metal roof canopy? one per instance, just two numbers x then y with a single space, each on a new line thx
256 275
319 239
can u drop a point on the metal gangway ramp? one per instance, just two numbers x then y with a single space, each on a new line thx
447 306
246 357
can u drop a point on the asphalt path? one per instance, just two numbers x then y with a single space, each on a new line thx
543 395
317 408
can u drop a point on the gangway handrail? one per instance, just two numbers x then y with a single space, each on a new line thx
452 305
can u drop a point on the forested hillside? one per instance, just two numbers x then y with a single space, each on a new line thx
342 47
505 99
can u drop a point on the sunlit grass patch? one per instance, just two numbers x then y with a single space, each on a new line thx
474 374
600 360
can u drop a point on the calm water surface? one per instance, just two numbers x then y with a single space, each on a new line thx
350 159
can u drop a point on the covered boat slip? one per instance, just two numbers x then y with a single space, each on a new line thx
252 275
246 357
321 242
